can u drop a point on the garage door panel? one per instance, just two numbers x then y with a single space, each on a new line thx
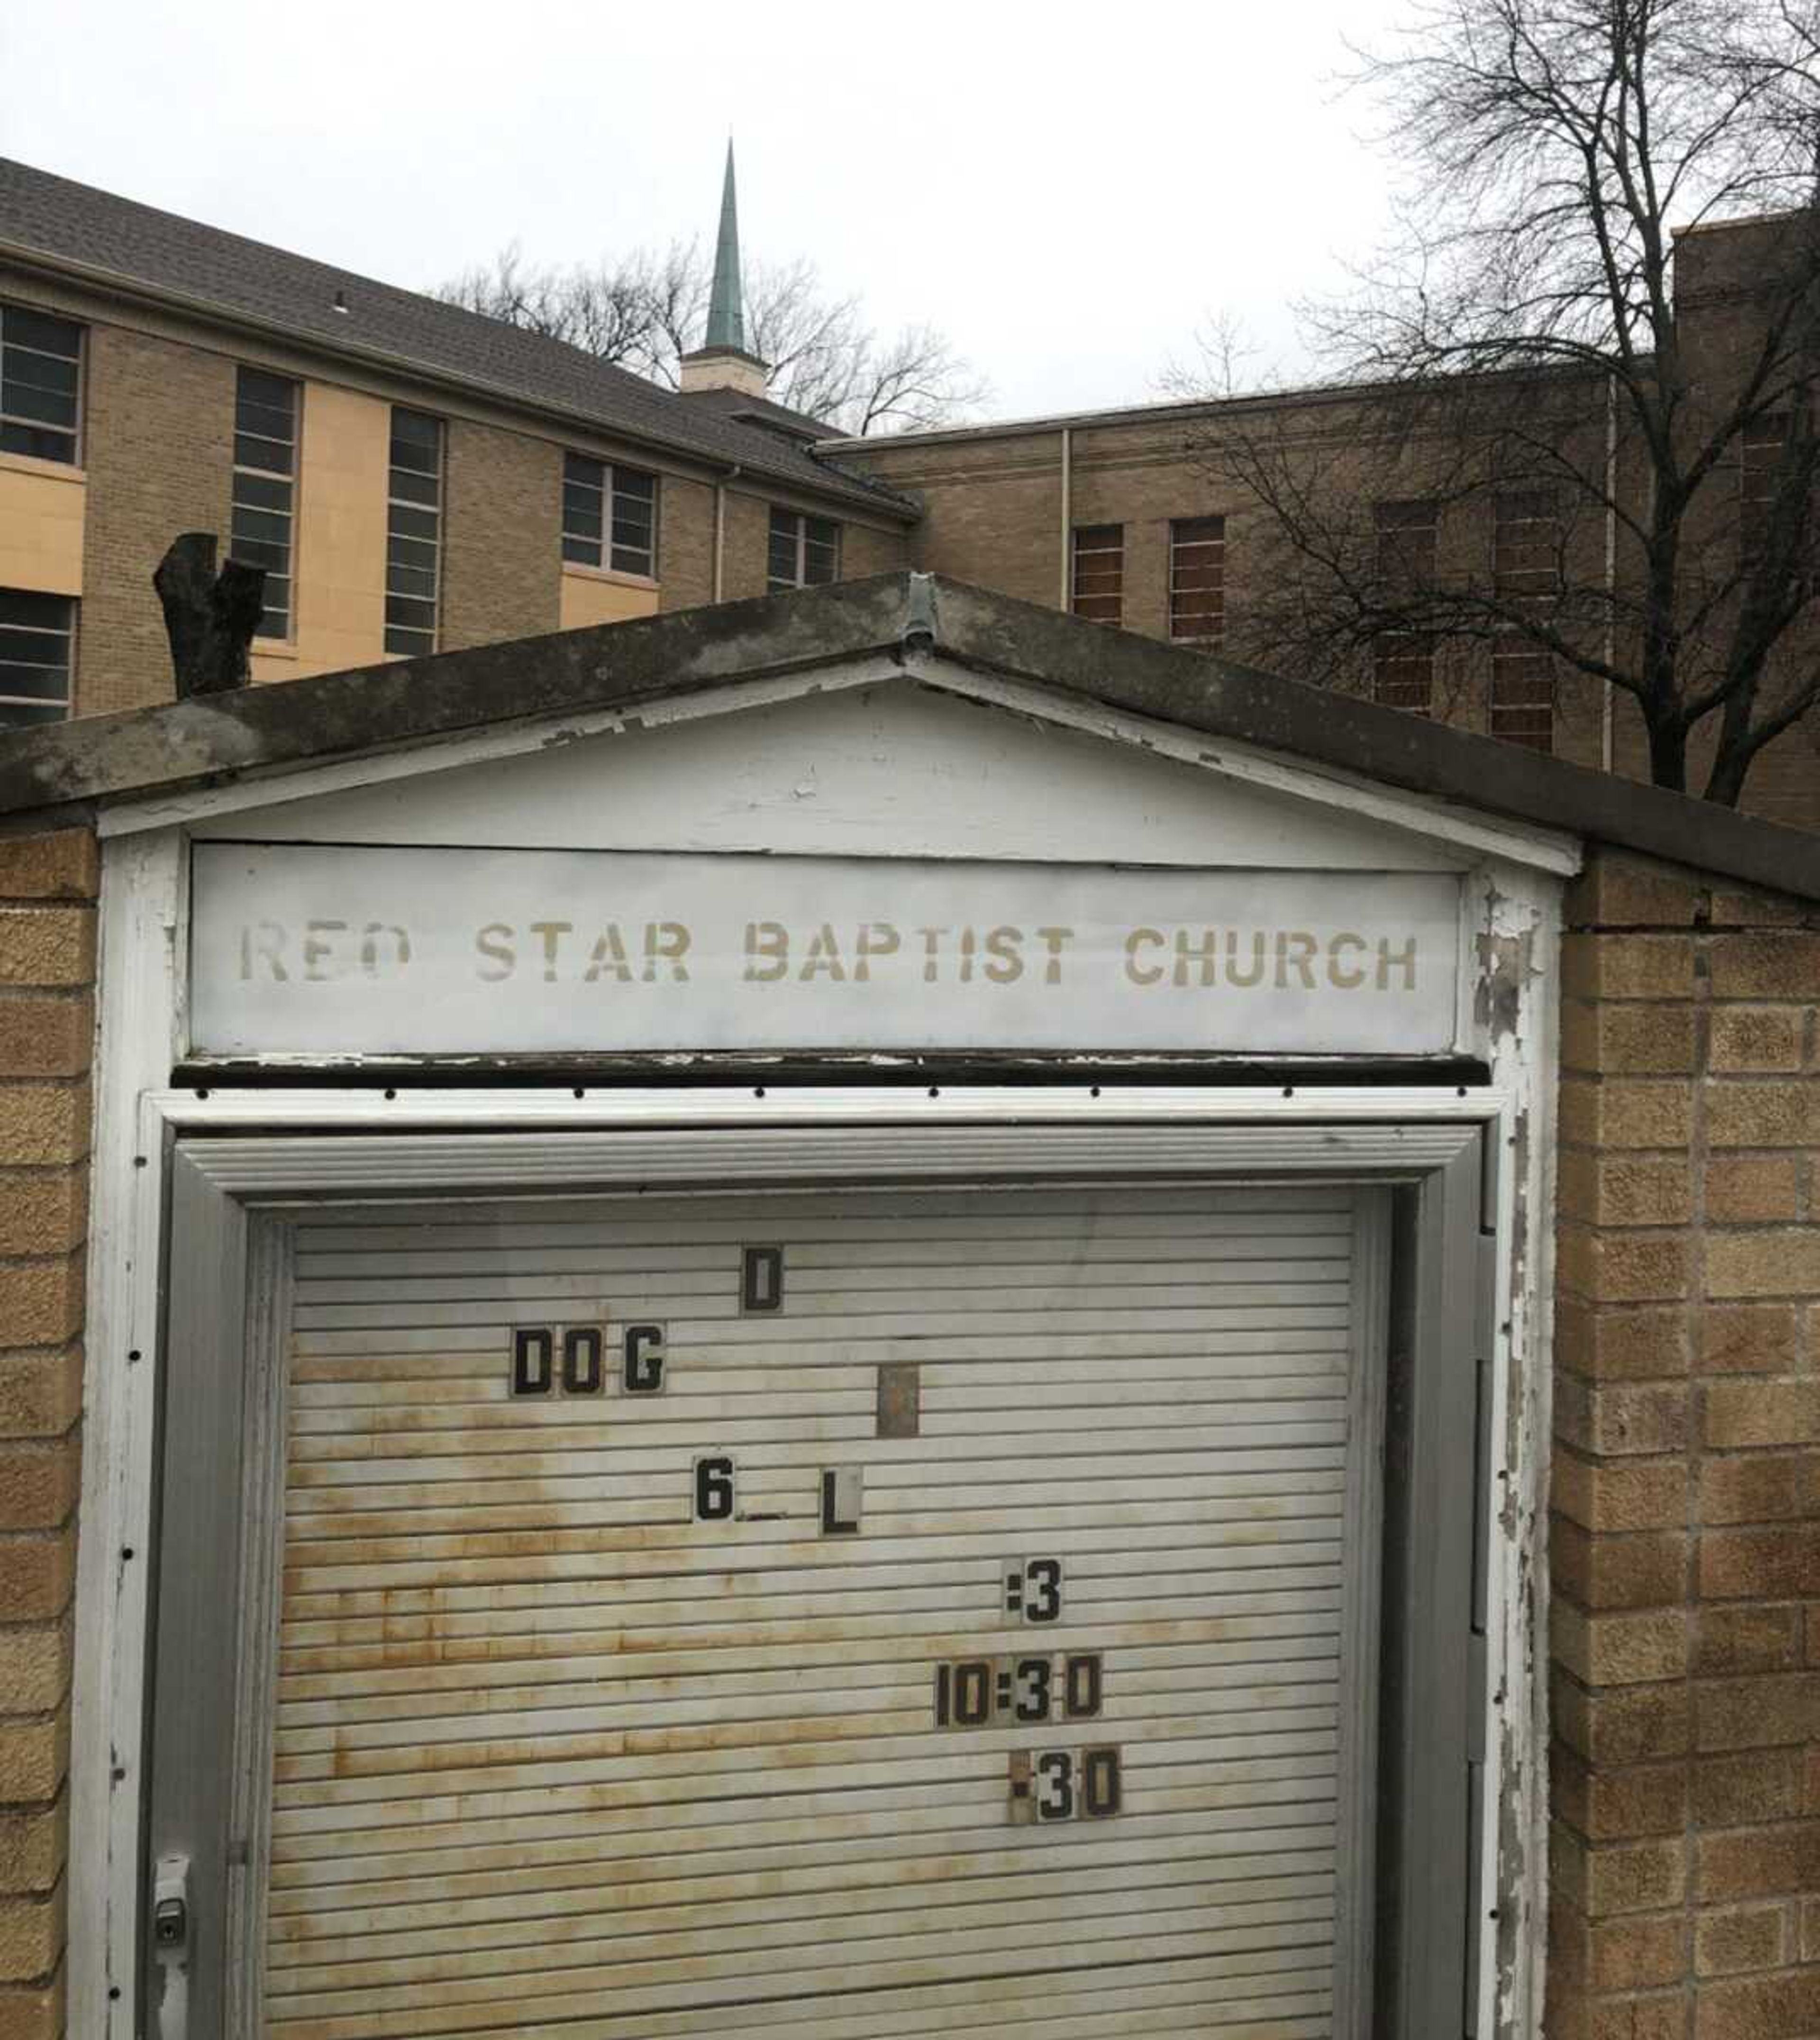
551 1757
1247 1889
788 1884
879 1964
1280 1794
610 1680
330 1512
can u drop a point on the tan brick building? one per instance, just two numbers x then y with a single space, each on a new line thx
1627 1059
415 478
160 377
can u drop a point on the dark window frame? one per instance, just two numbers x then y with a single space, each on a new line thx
1096 573
408 510
1197 608
808 539
628 502
256 477
15 425
27 616
1520 695
1403 661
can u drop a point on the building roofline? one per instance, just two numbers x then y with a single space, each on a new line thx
64 771
1168 408
847 488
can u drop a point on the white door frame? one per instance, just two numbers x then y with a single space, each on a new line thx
282 1144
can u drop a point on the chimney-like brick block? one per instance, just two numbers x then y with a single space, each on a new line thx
1685 1533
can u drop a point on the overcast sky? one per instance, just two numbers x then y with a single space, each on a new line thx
1070 193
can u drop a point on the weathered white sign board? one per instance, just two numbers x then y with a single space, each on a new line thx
310 949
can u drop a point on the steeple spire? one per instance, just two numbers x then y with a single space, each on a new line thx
727 300
723 361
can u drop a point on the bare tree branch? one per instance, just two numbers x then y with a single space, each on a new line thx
1523 333
645 311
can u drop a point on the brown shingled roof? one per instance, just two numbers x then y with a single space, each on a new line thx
118 242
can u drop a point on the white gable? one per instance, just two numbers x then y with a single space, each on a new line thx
895 770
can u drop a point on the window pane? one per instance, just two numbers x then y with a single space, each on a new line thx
257 385
48 648
413 614
39 441
416 441
272 456
20 328
34 612
40 372
272 525
411 487
581 516
17 715
579 471
35 645
262 492
24 365
49 407
408 523
413 532
402 552
821 552
260 553
781 555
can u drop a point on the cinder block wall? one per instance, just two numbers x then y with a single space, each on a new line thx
47 886
1686 1531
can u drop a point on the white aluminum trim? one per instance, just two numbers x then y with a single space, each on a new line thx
1437 821
139 970
270 786
209 1110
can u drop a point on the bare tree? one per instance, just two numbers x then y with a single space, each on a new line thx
645 310
1519 364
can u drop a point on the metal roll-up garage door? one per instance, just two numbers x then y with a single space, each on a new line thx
824 1615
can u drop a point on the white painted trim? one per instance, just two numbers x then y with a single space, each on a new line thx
1389 1122
140 968
1326 786
272 784
370 1109
1523 913
1437 821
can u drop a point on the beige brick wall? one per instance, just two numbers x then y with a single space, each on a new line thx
159 447
47 887
502 543
685 542
1686 1533
864 549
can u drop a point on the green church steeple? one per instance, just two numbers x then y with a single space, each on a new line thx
726 301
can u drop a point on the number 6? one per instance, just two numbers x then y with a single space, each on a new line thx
714 1490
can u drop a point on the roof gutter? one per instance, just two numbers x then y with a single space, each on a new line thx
137 291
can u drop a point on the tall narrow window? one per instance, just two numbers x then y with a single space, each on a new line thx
265 488
804 551
1526 572
1403 661
1759 462
609 515
414 533
40 384
1099 574
37 636
1197 578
